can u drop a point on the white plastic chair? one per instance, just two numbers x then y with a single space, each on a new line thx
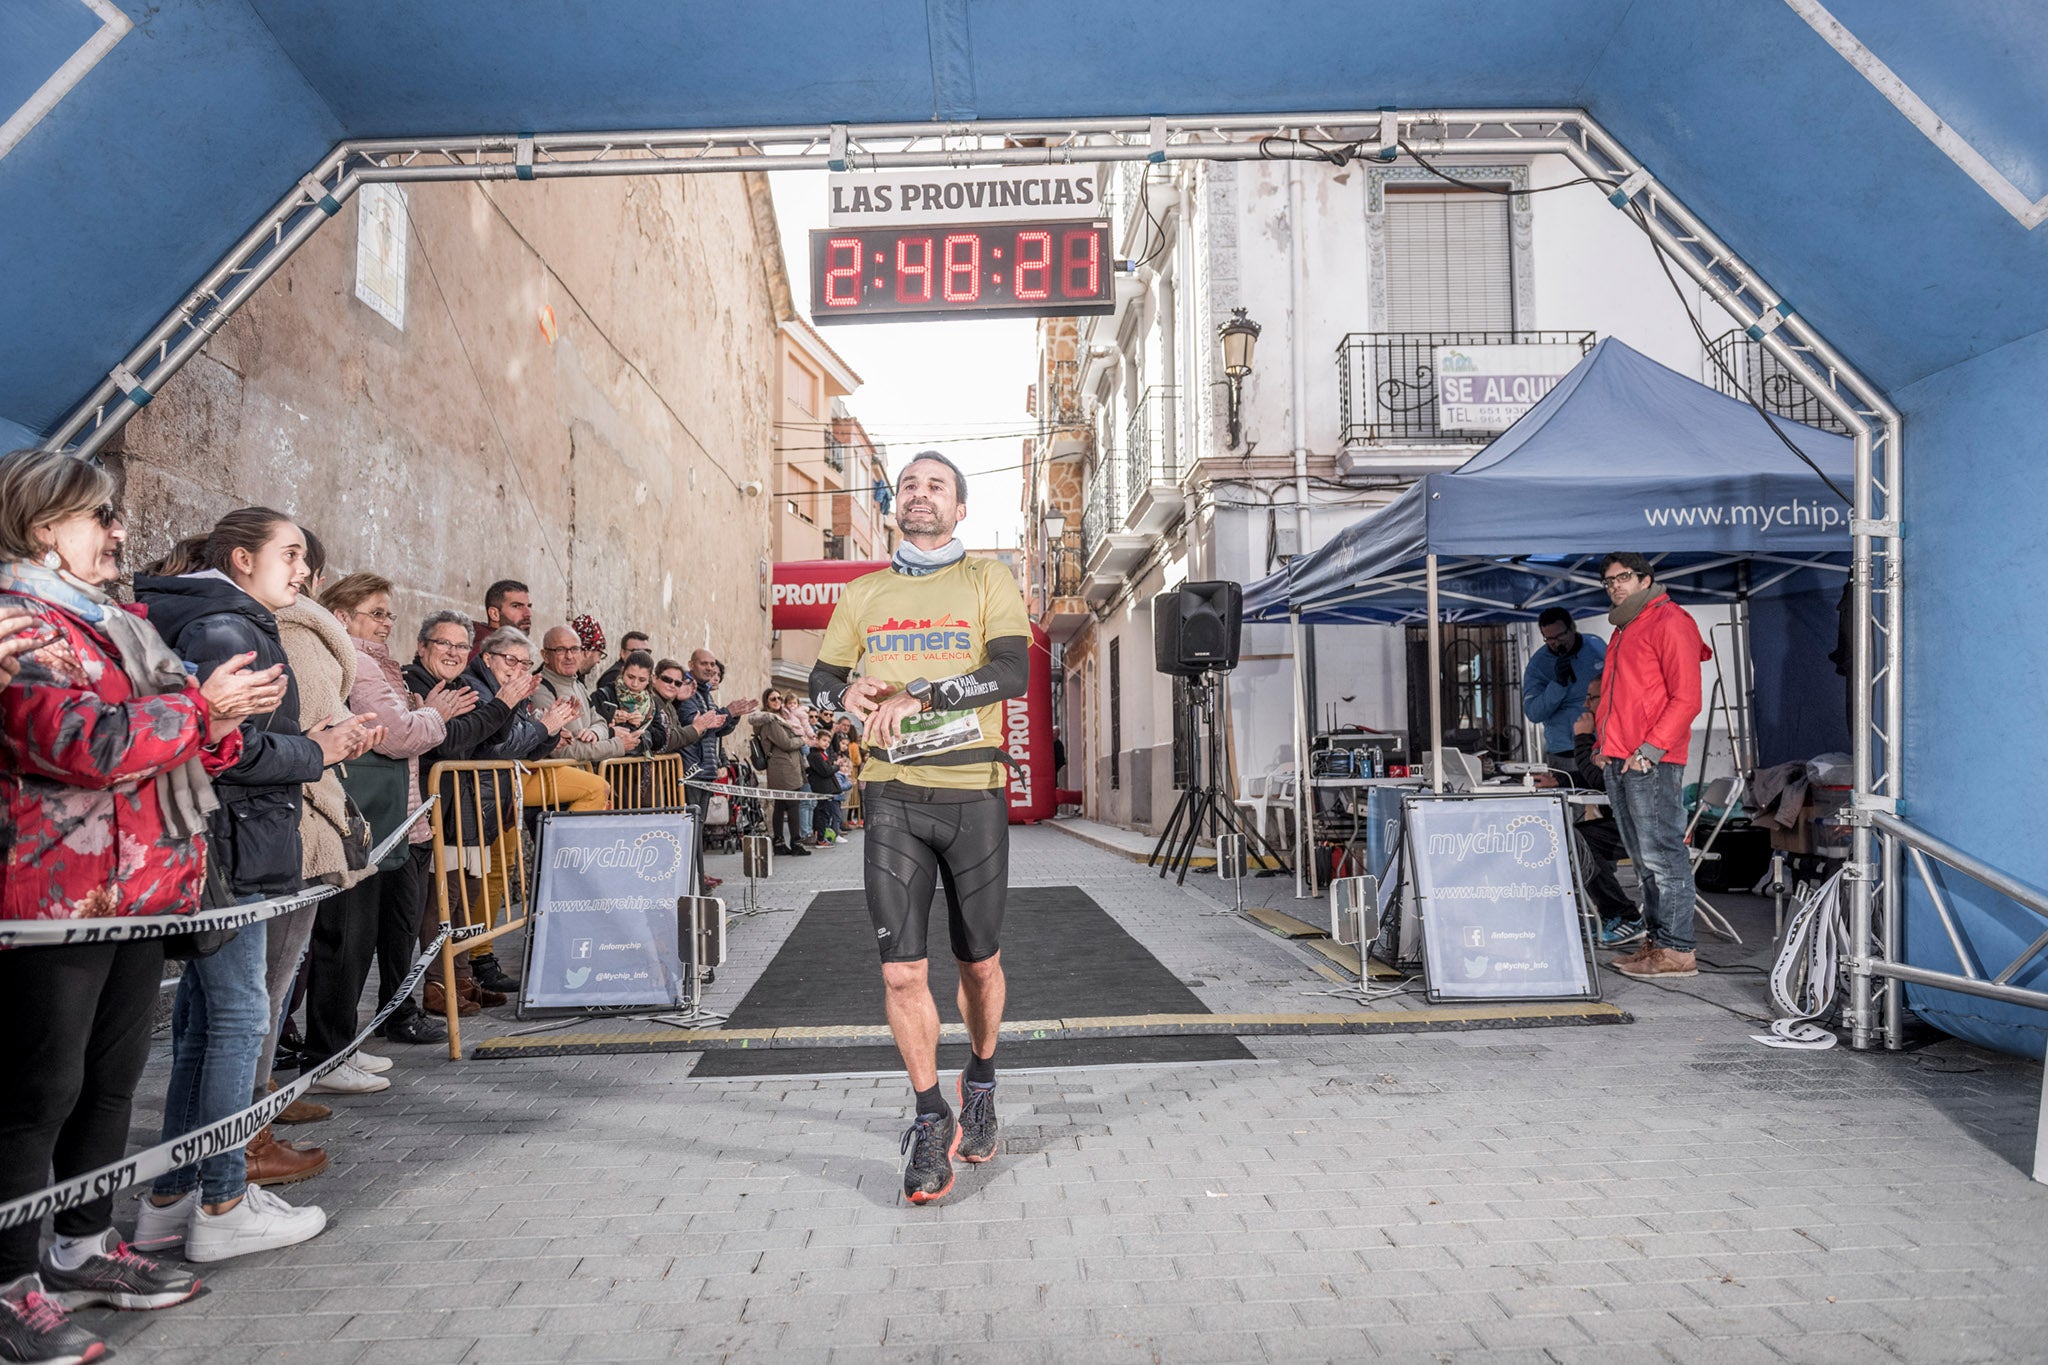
1269 794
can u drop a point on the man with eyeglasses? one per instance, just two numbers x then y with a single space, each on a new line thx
1649 696
588 739
1555 681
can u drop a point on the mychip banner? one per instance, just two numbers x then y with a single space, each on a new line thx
1493 881
603 938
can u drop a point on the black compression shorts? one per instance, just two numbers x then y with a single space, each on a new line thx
915 835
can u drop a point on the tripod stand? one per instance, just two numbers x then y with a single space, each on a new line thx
1206 806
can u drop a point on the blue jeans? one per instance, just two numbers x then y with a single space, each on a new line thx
218 1025
1650 809
804 819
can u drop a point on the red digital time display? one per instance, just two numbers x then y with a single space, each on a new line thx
981 270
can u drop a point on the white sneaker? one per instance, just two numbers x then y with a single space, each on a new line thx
164 1229
260 1222
346 1080
369 1061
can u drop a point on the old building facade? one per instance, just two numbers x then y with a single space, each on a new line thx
1353 275
567 382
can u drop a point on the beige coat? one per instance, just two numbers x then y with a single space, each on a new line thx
323 661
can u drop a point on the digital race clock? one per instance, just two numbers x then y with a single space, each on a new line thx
1053 269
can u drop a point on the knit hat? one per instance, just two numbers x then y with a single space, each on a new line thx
589 632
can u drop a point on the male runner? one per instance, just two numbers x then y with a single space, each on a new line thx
942 641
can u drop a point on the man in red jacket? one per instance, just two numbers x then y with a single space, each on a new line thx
1649 695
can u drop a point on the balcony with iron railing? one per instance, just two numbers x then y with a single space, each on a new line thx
1386 384
1760 375
835 453
1108 550
1151 462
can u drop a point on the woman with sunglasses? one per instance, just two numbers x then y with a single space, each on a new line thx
108 749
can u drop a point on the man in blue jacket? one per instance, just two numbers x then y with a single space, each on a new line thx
1554 684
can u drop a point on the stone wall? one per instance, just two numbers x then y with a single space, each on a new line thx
603 466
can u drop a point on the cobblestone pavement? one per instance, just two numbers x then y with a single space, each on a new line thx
1664 1190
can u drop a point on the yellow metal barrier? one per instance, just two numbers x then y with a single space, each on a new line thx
644 782
479 864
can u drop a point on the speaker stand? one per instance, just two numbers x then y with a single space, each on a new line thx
1206 806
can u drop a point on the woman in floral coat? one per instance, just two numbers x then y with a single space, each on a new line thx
107 749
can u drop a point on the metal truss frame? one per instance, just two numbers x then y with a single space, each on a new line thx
1876 902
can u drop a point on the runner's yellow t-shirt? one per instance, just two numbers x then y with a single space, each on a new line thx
899 628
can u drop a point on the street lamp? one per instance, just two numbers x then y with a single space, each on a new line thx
1055 524
1239 336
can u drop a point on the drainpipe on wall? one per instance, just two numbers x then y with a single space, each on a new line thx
1297 295
1297 334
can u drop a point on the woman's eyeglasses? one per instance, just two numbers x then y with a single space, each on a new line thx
672 680
105 514
385 617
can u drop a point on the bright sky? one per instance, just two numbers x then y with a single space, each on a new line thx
953 386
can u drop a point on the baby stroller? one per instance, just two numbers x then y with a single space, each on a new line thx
731 818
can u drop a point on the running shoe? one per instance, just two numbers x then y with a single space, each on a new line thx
1622 932
929 1145
120 1278
977 1120
160 1228
35 1327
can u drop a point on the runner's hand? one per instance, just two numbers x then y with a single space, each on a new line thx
885 719
862 695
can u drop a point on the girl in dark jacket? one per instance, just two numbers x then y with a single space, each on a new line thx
255 564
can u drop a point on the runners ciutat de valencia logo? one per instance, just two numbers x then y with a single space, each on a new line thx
925 638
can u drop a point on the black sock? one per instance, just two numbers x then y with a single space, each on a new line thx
932 1102
980 1070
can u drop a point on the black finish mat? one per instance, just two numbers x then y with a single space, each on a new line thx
1062 956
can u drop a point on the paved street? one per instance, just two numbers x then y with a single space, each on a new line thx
1661 1190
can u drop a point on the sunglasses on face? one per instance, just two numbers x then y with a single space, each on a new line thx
673 681
105 515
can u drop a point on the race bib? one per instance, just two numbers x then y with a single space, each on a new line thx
935 732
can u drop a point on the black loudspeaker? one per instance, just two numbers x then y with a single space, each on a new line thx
1195 628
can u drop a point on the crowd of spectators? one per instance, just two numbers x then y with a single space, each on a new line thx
795 753
242 730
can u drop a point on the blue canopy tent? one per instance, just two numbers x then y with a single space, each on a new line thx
1624 454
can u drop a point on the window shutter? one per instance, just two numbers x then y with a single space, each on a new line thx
1448 263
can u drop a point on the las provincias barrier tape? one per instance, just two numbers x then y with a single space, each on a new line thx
31 933
233 1131
763 793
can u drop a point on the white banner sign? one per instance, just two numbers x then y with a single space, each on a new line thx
1485 388
994 194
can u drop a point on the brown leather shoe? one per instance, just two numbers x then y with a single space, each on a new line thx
1641 954
301 1110
1664 962
437 1001
474 994
279 1163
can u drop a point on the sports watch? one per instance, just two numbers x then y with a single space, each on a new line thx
921 688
